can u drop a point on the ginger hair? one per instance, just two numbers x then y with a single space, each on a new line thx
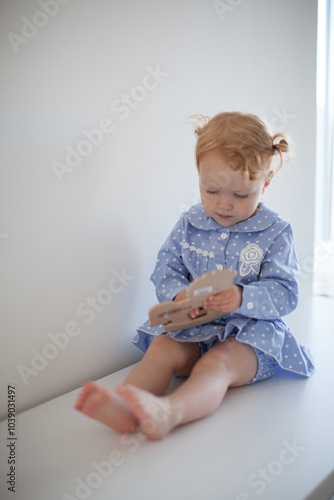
244 139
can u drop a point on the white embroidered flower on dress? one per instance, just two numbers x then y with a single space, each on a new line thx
251 257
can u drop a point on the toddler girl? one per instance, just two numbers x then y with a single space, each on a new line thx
230 228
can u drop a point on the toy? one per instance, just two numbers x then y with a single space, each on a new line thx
174 315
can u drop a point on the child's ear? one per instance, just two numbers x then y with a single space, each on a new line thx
269 176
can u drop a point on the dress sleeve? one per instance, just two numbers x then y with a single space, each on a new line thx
170 275
275 294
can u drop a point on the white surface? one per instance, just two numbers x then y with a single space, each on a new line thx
60 241
218 458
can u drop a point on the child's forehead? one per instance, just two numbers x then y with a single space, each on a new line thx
224 178
217 169
215 160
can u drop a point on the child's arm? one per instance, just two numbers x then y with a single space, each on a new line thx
275 292
170 275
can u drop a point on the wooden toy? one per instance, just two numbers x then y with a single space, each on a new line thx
174 315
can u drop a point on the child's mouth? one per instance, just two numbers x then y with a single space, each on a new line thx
224 216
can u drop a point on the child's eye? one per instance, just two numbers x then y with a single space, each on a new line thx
240 195
212 192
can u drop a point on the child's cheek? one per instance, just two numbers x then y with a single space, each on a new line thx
205 203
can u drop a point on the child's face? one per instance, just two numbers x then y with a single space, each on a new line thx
226 196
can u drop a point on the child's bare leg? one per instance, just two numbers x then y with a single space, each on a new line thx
164 357
227 364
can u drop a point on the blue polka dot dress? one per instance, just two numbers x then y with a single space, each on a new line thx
261 249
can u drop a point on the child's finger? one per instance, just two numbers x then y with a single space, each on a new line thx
194 312
215 302
211 304
216 299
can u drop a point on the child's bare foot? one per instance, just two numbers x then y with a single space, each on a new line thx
96 402
154 413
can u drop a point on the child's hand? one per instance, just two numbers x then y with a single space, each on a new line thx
226 302
181 295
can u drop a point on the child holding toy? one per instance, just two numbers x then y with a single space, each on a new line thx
232 229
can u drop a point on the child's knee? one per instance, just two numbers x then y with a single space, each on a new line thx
163 346
183 354
162 342
232 355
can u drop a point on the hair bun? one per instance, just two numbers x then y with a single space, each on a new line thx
283 146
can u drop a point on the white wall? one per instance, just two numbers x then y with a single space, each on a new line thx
62 237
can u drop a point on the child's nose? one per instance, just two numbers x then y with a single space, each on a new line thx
225 203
